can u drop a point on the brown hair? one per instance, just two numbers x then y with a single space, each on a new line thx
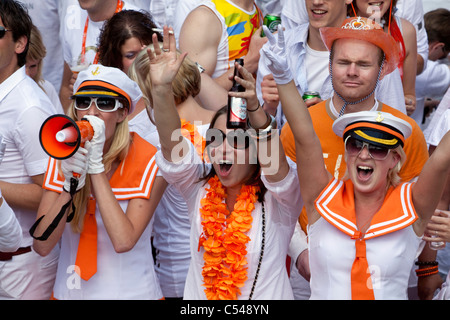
122 26
437 25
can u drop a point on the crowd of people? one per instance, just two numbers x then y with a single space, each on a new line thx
336 187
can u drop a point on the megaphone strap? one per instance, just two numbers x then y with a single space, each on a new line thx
54 223
59 216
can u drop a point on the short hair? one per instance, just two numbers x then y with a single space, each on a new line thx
122 26
187 82
15 18
437 25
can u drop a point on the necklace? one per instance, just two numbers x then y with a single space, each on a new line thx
225 241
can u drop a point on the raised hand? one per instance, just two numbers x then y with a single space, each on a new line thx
276 53
248 82
164 62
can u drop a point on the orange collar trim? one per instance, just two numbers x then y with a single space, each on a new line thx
336 205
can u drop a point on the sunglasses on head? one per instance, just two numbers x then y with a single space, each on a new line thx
104 104
3 31
238 139
354 147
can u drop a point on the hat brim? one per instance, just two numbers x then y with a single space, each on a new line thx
377 37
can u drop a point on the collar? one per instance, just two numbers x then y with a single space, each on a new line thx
334 114
9 84
336 204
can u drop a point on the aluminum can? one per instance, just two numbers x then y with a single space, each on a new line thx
310 94
272 22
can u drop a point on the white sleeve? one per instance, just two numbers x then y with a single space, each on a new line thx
10 230
184 173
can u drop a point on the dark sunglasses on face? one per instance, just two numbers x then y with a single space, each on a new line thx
102 103
3 31
354 147
238 139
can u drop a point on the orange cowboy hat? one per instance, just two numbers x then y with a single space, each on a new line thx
365 29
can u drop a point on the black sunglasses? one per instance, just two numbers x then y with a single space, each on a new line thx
238 139
3 31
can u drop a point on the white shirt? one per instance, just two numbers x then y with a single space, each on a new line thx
23 109
73 29
282 201
431 83
317 68
10 230
332 253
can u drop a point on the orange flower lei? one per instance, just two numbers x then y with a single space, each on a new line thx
224 240
194 136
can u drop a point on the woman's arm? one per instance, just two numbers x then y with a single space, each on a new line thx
270 151
409 66
51 205
164 65
312 173
433 177
124 230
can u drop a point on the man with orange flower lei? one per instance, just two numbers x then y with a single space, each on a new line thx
242 207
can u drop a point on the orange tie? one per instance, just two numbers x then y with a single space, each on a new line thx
361 281
87 247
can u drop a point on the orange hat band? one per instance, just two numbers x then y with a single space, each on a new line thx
106 86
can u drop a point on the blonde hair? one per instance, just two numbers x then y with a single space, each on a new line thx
37 51
186 83
118 151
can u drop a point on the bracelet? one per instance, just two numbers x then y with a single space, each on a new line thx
255 109
426 263
427 271
264 132
199 67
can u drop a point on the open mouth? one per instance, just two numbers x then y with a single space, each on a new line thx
376 4
318 12
364 172
225 167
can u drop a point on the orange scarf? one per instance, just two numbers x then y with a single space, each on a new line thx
224 240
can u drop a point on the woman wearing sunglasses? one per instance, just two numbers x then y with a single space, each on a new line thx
105 246
365 229
242 216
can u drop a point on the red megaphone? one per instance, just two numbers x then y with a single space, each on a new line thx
60 136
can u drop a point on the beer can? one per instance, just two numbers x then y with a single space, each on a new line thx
310 94
272 22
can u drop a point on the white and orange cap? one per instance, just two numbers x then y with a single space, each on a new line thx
101 81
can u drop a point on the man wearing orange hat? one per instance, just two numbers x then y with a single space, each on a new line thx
308 58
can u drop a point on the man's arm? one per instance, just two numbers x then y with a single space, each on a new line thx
25 196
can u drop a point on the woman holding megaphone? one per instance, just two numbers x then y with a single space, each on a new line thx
106 191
